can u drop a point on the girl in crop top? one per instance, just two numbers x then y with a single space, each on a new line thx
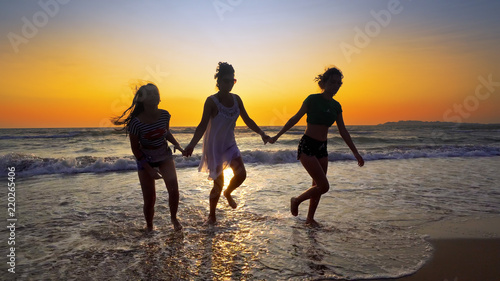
219 151
322 111
149 131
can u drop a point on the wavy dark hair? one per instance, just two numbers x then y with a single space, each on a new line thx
329 72
136 108
223 68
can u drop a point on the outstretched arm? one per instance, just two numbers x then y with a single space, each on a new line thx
291 122
200 130
249 122
347 139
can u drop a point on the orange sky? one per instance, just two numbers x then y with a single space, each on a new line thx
76 71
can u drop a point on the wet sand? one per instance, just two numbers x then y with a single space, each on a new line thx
460 260
465 249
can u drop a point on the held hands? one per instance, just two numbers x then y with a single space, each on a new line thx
188 151
179 147
265 138
185 152
273 139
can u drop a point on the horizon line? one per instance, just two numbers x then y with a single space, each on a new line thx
388 122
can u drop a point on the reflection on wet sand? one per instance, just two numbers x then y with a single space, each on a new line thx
200 253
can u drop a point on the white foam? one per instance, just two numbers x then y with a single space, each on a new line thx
30 164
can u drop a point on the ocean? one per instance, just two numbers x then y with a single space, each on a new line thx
78 205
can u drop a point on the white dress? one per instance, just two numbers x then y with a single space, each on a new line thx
219 145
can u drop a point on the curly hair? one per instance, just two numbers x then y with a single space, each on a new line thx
329 72
223 68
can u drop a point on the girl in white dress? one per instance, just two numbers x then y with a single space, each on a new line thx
220 113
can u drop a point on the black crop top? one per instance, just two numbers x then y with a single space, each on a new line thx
321 111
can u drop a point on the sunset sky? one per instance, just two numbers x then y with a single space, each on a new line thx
72 63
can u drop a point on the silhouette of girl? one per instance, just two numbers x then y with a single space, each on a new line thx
322 111
220 113
148 129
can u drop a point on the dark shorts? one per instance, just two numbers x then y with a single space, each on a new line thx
167 156
312 147
140 167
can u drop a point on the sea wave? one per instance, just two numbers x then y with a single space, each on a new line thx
30 164
56 136
19 134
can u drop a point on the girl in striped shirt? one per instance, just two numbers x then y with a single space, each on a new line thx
148 129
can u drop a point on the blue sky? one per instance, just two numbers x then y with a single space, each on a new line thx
428 49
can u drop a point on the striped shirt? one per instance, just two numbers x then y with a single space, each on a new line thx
151 135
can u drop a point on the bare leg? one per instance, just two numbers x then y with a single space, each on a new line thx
294 206
214 198
314 201
317 170
149 196
240 175
167 171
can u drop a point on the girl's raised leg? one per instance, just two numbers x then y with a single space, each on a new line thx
240 174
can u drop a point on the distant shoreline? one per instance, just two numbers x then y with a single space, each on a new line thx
419 123
390 123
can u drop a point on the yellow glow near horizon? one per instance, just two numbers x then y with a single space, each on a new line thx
59 96
76 74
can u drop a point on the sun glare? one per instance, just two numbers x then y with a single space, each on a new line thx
228 175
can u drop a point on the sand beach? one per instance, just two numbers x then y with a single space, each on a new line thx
464 249
419 209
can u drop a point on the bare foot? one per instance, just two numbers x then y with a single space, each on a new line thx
177 224
211 220
230 200
149 230
294 206
312 223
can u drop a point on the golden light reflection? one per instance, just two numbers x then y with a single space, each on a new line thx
228 175
230 260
